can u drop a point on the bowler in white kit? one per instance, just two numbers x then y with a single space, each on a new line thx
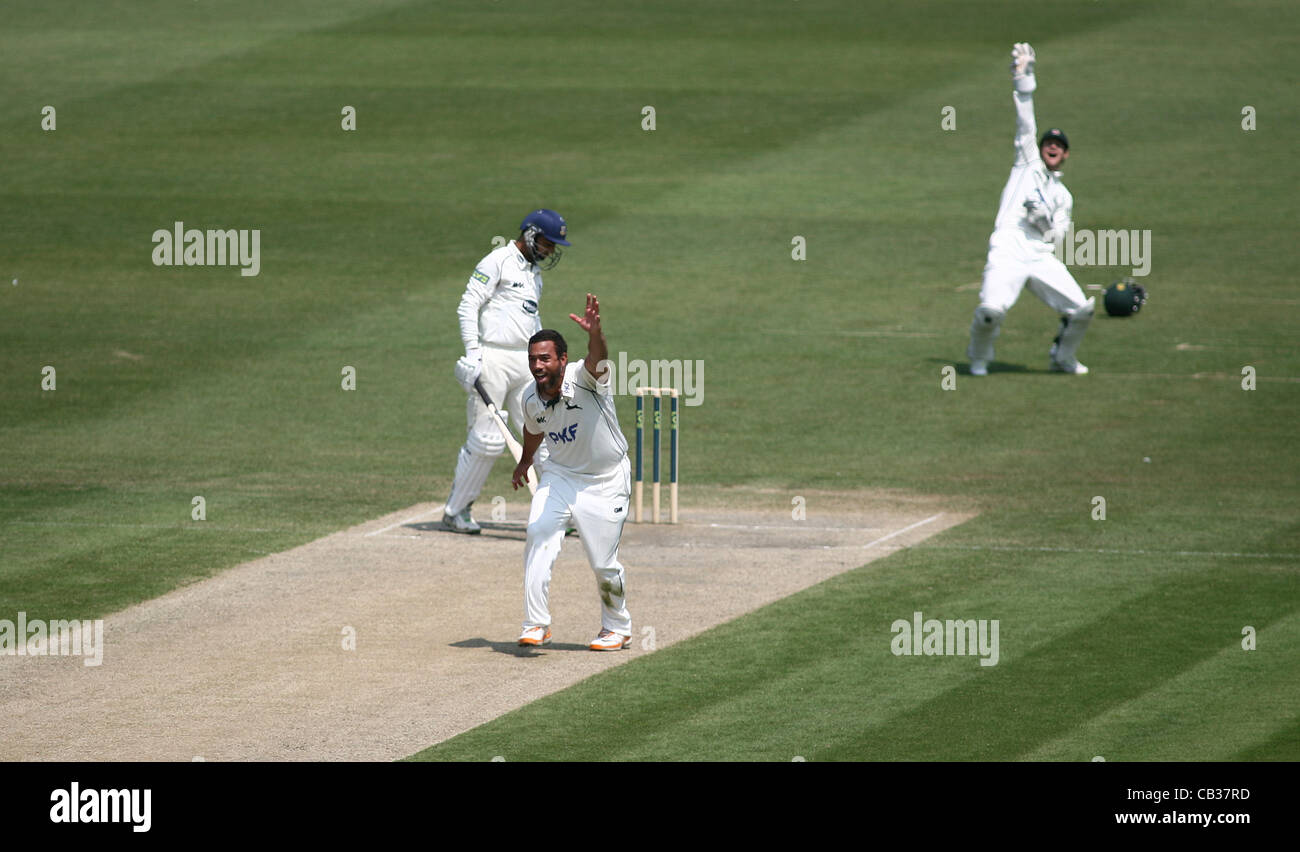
586 479
1033 214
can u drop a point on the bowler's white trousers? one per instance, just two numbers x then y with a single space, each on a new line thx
598 506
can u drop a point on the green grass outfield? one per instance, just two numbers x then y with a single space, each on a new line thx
1119 638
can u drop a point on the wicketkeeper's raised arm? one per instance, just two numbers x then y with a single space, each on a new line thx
597 350
1022 78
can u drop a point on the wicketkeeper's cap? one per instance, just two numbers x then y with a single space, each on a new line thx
1055 133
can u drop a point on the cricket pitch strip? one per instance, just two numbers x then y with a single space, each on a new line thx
378 641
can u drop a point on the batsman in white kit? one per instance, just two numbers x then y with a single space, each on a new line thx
585 480
497 315
1033 215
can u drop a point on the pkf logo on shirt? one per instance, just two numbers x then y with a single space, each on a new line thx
564 436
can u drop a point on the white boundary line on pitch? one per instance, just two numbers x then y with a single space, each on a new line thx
885 538
1105 550
398 524
794 526
907 528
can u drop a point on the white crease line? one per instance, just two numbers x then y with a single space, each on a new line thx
785 527
903 530
1119 552
398 524
793 525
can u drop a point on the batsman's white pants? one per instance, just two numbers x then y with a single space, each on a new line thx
1009 269
505 377
597 506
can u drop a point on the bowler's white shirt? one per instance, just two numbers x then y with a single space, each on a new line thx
580 427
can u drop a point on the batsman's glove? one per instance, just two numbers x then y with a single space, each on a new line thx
1022 68
468 368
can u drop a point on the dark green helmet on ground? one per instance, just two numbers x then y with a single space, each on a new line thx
1125 298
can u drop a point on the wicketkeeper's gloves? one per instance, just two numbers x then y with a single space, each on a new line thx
1036 213
1022 68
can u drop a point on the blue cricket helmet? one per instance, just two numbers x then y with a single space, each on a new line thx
549 223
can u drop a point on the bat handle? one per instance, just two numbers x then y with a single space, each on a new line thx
478 386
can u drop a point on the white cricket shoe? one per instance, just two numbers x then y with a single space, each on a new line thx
608 640
1077 370
979 368
1055 366
462 523
535 636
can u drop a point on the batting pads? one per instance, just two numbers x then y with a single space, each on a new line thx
1073 326
983 331
472 471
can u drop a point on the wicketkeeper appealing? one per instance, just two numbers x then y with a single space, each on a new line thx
586 479
497 314
1034 214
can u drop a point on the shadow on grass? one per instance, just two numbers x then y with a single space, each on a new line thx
994 367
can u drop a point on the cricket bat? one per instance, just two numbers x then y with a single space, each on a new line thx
516 449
